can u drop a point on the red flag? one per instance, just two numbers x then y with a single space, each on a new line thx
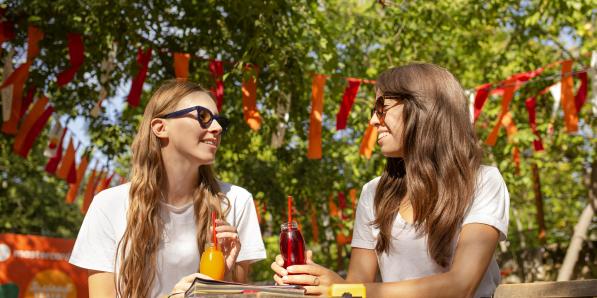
316 118
32 116
481 98
216 68
581 94
6 28
104 183
350 93
52 164
76 53
531 110
35 131
249 90
143 59
27 100
181 65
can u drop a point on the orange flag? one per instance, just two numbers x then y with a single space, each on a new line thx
249 89
89 190
352 194
317 88
181 65
508 123
18 78
30 119
104 183
368 142
509 89
568 101
73 188
67 162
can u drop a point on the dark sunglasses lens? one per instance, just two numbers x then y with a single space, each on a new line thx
223 123
204 117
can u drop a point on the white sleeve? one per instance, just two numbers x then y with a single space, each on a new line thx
249 232
363 234
95 247
491 203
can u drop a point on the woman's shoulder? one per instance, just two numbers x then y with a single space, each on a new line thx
489 176
368 191
234 192
114 197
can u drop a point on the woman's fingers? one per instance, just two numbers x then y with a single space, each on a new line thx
301 279
309 258
312 269
279 260
278 280
313 290
279 270
232 235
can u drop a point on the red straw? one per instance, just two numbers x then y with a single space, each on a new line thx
289 211
213 220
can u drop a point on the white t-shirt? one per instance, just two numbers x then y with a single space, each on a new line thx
408 257
105 223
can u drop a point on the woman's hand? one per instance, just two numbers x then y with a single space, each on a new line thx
184 284
229 242
315 278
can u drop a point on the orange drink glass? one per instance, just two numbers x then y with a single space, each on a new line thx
212 262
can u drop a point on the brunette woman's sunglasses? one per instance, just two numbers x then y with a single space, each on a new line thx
379 109
204 116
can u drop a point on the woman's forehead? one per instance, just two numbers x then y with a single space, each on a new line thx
197 99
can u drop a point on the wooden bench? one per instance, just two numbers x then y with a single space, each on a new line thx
575 288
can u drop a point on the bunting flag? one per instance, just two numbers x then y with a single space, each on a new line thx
73 188
249 90
7 31
27 100
30 120
76 54
531 104
67 169
104 183
368 142
216 68
316 119
350 93
143 59
508 123
333 208
352 194
509 89
342 205
181 65
480 98
568 105
581 94
18 78
52 164
89 190
7 91
54 136
35 131
593 74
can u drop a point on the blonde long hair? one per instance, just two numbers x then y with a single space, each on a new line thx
137 250
441 158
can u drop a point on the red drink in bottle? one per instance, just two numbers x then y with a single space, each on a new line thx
292 245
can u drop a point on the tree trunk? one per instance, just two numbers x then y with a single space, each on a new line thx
282 115
580 230
538 203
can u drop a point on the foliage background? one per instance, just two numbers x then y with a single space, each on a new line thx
479 41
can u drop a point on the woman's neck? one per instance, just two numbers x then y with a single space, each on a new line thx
181 180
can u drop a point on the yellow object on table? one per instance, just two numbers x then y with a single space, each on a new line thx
355 290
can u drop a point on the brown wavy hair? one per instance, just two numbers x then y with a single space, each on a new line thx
441 158
137 250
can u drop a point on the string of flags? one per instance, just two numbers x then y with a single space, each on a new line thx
25 114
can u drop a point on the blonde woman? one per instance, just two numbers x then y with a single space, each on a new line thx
430 224
144 238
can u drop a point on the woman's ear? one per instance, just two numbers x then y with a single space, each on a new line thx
159 128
